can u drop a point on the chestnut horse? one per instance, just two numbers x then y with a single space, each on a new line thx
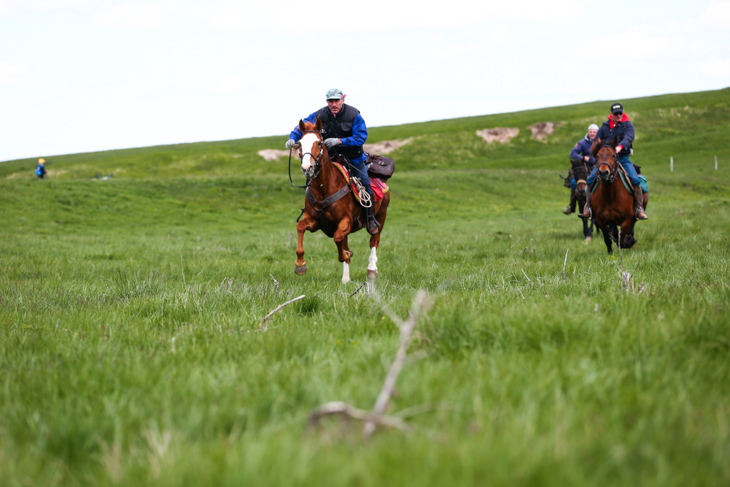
580 173
330 206
612 203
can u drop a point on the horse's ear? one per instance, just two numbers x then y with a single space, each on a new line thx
318 125
594 147
301 125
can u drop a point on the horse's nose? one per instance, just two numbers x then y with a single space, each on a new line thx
604 173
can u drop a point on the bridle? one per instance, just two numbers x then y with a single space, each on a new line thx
612 168
318 164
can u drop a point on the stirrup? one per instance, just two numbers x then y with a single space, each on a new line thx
640 211
586 214
372 219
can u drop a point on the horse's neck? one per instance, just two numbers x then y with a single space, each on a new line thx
327 182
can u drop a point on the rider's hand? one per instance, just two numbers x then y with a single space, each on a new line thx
290 143
586 158
330 143
619 148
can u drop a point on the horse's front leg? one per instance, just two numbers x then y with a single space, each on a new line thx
343 250
306 223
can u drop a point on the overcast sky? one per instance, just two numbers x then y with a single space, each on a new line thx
88 75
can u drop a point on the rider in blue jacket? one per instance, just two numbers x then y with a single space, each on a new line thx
579 156
344 132
618 126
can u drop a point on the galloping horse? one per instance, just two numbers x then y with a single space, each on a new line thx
329 206
612 203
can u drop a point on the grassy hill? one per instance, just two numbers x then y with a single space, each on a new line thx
131 351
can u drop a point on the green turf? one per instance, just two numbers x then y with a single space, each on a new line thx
131 351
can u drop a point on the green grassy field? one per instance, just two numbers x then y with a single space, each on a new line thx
131 351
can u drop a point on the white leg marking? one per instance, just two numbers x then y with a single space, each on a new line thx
372 262
345 273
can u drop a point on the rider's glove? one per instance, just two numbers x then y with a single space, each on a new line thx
330 143
290 143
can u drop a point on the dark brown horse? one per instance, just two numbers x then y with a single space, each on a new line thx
612 203
580 173
330 205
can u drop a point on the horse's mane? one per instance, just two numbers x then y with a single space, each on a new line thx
599 144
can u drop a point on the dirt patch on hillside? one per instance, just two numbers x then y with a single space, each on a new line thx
498 134
274 155
387 146
384 147
541 130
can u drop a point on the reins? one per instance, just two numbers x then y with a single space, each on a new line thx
317 162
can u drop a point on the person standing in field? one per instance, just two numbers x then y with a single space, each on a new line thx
40 169
581 156
344 132
618 126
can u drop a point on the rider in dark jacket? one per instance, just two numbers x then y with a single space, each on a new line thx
344 132
618 127
579 156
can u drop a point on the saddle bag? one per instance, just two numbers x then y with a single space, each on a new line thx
380 167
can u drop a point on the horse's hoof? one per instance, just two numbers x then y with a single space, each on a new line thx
372 274
588 239
300 270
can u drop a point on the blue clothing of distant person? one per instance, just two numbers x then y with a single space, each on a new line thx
581 153
344 133
40 169
619 130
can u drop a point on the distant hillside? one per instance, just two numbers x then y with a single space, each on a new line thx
690 127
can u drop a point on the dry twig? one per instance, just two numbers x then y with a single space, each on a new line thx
421 304
276 283
263 322
565 262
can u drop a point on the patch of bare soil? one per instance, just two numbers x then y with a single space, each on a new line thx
498 134
543 129
273 154
385 147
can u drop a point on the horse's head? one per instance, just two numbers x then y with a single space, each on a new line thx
605 153
311 147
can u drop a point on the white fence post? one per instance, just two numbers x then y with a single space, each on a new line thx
671 164
715 163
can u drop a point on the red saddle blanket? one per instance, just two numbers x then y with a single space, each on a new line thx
379 186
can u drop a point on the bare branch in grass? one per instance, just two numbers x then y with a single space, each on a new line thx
523 272
358 289
565 262
421 304
345 410
276 284
263 322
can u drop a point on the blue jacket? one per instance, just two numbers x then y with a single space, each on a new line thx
583 148
358 138
623 132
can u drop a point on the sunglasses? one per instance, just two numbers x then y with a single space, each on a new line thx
618 113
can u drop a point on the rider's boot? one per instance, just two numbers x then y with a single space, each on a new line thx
571 206
638 203
373 225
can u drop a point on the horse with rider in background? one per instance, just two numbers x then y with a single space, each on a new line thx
611 199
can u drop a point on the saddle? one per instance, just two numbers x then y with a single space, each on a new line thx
379 186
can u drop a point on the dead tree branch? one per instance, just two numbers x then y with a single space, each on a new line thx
421 304
263 322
